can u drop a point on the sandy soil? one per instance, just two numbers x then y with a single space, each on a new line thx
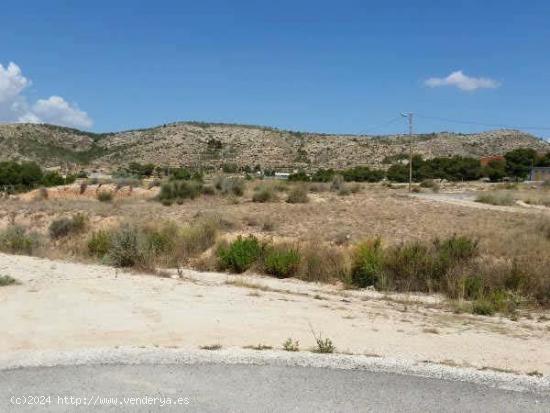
66 306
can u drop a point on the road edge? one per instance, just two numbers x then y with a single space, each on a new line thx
159 356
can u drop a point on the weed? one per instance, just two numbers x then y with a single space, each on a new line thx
6 280
211 347
258 347
291 345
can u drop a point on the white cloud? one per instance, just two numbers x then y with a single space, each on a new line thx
14 106
462 81
57 110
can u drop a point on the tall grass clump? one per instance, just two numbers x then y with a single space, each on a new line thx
125 250
322 263
99 243
15 239
298 195
496 198
104 196
63 227
240 254
178 191
367 263
263 193
282 261
229 185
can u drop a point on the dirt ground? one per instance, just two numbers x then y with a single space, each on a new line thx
63 306
376 210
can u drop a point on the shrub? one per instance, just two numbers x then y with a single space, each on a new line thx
281 261
323 345
263 193
104 196
367 263
291 345
231 186
15 240
6 280
496 199
99 243
298 195
337 183
198 237
240 254
125 250
321 263
179 190
483 307
64 226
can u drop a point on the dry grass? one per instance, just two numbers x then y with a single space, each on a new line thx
507 240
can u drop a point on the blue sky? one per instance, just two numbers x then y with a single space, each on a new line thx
342 67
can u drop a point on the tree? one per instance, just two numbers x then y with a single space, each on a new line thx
495 170
519 162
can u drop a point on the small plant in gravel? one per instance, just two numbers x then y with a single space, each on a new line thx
211 347
6 280
324 345
258 347
291 345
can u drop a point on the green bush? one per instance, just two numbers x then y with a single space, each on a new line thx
6 280
239 255
483 307
99 243
125 250
282 261
16 240
298 195
64 226
179 190
367 263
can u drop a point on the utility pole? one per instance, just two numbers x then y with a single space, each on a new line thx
409 116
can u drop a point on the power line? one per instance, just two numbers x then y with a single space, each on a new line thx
488 125
370 131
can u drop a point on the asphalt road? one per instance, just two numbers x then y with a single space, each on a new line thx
247 388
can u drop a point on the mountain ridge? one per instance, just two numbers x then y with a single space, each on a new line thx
213 144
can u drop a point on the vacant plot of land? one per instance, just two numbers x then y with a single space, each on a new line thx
60 305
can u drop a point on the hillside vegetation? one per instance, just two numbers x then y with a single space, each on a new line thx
193 143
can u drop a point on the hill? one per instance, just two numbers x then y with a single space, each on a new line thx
193 143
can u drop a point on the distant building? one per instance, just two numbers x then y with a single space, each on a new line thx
484 161
540 173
